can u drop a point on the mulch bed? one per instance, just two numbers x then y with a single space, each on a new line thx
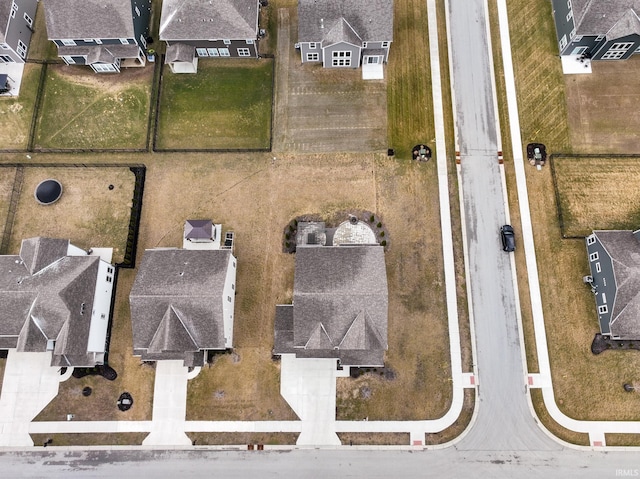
602 343
104 370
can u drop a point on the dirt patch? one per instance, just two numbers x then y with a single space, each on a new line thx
603 107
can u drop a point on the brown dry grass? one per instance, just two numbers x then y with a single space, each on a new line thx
235 438
17 112
374 439
93 439
7 178
622 439
461 423
88 213
603 108
554 428
591 196
133 376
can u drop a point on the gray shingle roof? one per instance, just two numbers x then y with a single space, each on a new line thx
371 20
197 229
340 305
41 297
101 53
209 20
77 19
624 249
5 9
176 302
614 18
180 52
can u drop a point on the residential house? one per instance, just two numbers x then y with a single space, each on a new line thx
56 297
614 260
206 28
342 34
16 20
340 301
104 34
598 29
182 300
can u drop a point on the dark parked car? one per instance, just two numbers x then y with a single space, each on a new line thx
508 238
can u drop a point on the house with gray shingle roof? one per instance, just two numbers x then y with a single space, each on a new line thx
208 28
56 297
598 29
182 301
16 27
104 34
342 34
340 306
614 260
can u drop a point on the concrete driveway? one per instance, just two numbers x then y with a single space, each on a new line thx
29 384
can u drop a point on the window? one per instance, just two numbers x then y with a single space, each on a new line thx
14 9
604 281
4 46
137 11
341 59
591 239
109 279
104 68
224 52
229 298
563 42
385 44
569 15
594 256
603 309
124 41
313 45
98 41
87 40
365 44
109 270
313 57
244 52
202 52
6 59
577 38
28 19
572 33
22 49
249 42
68 43
234 264
604 298
213 52
598 268
143 41
226 42
68 59
569 4
599 38
233 286
103 316
617 51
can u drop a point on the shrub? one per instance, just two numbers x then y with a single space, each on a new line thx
372 219
379 225
382 233
383 243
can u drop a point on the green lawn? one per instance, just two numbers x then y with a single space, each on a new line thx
17 112
409 101
81 109
226 105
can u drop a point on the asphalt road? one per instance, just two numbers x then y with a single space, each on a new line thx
444 463
504 421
